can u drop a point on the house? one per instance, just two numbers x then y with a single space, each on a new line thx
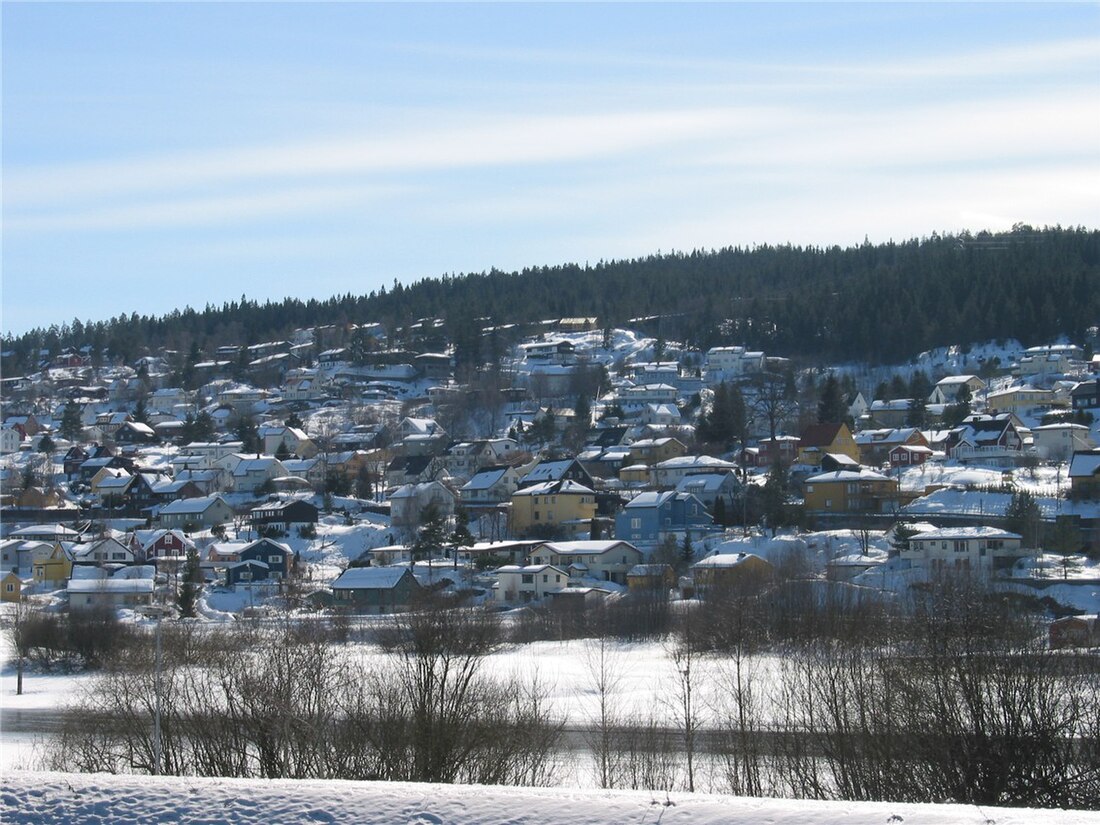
725 363
723 572
291 440
986 439
465 458
253 474
1075 631
710 488
818 439
279 560
409 501
964 549
114 591
10 439
783 450
1084 475
11 586
655 450
552 505
134 432
883 413
847 491
649 518
529 583
413 469
906 455
53 569
875 445
1022 400
376 589
601 560
19 554
1086 395
421 436
151 545
568 469
103 551
605 462
196 513
26 425
947 389
1048 359
1058 442
283 515
650 578
490 486
667 474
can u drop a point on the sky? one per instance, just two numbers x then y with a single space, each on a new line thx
158 155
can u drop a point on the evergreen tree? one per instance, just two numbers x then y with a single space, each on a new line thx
204 429
140 414
46 444
71 424
283 452
190 585
431 536
831 408
1023 516
248 434
687 552
918 412
294 422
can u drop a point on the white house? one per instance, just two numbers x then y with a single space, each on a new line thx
964 549
1058 442
603 560
529 583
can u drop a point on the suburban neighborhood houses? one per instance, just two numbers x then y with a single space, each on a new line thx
360 479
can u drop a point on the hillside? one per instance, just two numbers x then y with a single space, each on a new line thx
881 303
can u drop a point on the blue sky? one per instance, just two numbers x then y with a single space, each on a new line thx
163 154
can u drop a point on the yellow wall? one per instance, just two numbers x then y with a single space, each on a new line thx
553 509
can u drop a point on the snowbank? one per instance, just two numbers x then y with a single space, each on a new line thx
45 798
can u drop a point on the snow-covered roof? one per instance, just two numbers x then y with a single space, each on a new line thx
369 578
847 475
566 487
1083 464
949 533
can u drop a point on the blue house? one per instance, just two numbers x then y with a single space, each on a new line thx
651 517
278 557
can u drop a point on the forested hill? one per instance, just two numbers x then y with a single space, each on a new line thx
878 303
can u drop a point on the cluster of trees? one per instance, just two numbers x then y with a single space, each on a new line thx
879 303
287 702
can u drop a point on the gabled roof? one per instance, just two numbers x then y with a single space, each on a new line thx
370 578
847 475
1084 464
192 505
820 435
564 487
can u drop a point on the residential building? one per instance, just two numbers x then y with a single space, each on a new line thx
551 505
376 589
845 491
601 560
529 583
964 549
650 518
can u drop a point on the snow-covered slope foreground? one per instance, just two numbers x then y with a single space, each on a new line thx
44 798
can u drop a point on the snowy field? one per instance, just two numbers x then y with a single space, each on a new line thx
45 798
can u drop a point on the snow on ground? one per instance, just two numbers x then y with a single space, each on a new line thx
45 798
1041 481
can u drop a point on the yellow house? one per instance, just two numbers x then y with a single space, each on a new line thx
732 571
54 569
656 450
1019 400
11 587
635 474
552 504
849 491
817 440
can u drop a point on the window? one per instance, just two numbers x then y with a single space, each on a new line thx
828 503
528 578
9 587
635 524
275 559
545 578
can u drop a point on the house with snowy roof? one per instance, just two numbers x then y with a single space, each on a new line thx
651 517
528 583
606 560
964 549
551 505
848 491
1084 474
376 589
